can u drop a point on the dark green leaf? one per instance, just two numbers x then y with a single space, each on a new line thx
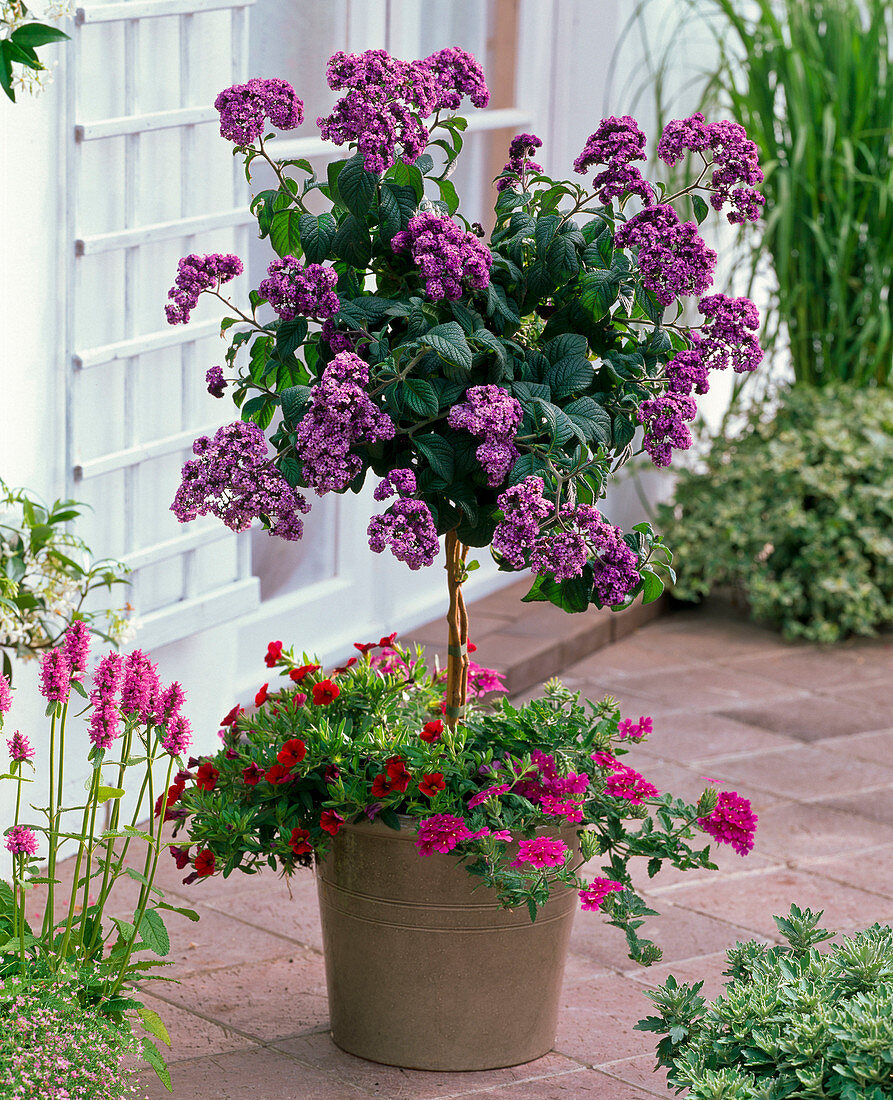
290 335
284 235
407 175
569 375
406 200
333 171
653 587
438 452
294 401
36 34
591 418
154 933
700 208
598 292
418 397
316 235
356 186
352 242
448 340
424 163
501 305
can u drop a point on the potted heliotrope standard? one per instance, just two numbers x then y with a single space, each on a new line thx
491 388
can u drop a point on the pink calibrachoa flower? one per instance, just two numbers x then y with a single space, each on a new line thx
19 747
20 840
592 896
482 680
634 731
542 851
627 783
55 677
568 808
76 646
731 822
486 794
440 833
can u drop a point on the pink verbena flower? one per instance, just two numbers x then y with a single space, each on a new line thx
76 646
632 730
20 840
55 676
627 783
481 681
486 794
731 822
542 851
592 896
562 806
440 833
19 747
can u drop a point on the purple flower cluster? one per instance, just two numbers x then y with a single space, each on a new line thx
523 507
727 335
141 689
665 419
686 372
104 723
396 483
521 148
734 160
493 415
616 143
387 99
196 274
554 793
215 382
244 109
21 841
732 821
407 527
337 341
55 676
297 291
614 563
19 747
341 414
231 478
673 258
445 254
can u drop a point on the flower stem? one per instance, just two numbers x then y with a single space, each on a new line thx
457 624
51 859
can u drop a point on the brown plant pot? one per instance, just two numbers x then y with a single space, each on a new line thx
426 972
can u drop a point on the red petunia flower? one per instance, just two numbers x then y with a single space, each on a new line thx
274 654
253 774
471 647
351 661
331 821
292 752
298 674
206 777
261 696
381 786
364 647
298 699
204 863
389 641
331 773
431 731
173 795
279 773
431 784
230 719
325 692
181 856
300 842
400 778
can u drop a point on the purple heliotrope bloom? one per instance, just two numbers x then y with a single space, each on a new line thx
673 258
446 255
732 821
493 415
233 479
523 506
215 382
727 336
456 74
521 149
337 341
407 528
21 841
666 425
297 291
341 414
245 108
397 483
195 275
616 143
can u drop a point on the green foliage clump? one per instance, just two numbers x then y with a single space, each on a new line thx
793 1022
796 514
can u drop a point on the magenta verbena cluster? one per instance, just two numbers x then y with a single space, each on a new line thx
616 143
297 291
734 158
386 100
672 256
580 537
231 478
492 415
521 148
340 415
446 255
196 274
407 529
245 108
731 822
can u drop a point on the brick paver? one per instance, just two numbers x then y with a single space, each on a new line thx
806 733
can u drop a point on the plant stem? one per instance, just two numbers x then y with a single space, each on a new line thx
20 911
457 624
91 800
112 827
51 859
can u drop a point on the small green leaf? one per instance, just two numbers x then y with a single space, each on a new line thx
284 233
37 34
153 1056
598 292
700 208
352 242
654 586
106 794
154 933
154 1024
418 396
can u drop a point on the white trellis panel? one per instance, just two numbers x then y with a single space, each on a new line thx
146 187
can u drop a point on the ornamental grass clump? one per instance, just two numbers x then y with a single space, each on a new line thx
793 1021
134 724
491 387
367 742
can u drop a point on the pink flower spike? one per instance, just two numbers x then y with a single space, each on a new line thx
19 747
486 794
592 896
76 646
55 677
21 841
542 851
5 695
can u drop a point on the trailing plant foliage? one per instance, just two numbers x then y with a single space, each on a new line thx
796 514
813 85
367 742
20 36
793 1021
46 577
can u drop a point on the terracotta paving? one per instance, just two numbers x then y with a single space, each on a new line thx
806 733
